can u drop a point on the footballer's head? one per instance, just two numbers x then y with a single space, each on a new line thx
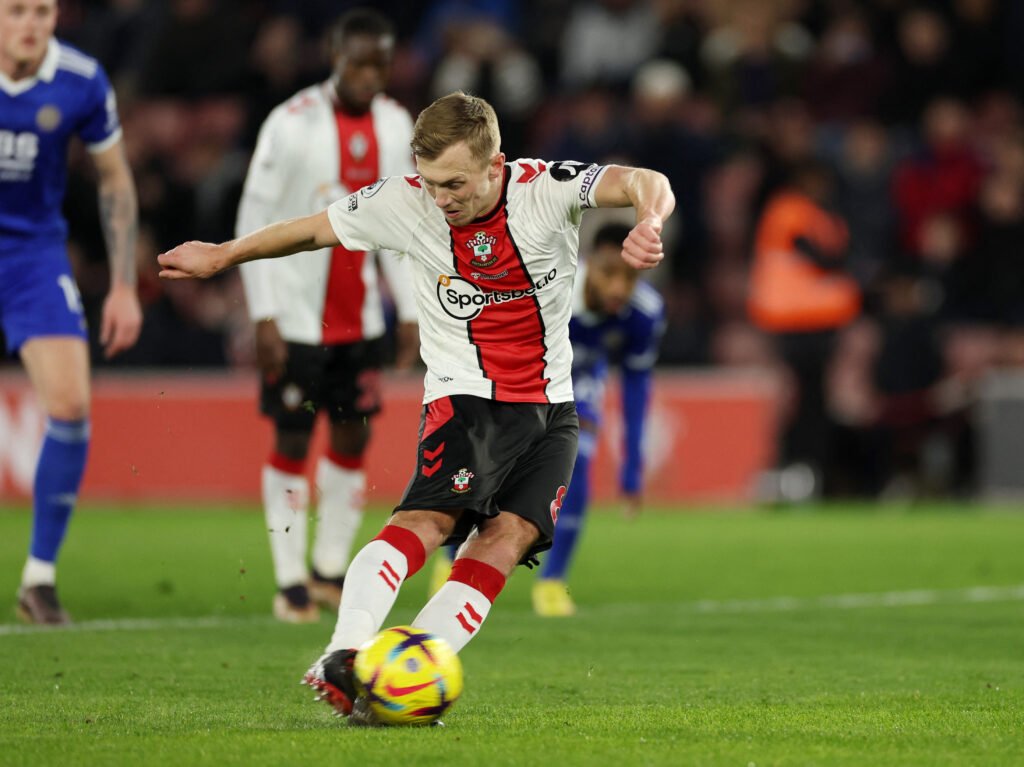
610 280
456 143
362 48
26 27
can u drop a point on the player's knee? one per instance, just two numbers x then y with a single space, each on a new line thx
292 445
350 438
68 404
503 542
432 527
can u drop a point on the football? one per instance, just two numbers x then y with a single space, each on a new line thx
409 676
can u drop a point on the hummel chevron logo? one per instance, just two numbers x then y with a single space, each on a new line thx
530 172
430 455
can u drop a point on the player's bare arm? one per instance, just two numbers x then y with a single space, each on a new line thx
122 315
205 259
650 194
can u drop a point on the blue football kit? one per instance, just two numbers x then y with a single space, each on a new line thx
69 95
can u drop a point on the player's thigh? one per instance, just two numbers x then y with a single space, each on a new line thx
536 486
58 367
467 447
292 400
352 382
39 298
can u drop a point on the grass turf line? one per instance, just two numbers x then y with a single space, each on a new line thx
629 681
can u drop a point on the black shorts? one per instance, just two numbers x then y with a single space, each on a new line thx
343 380
485 456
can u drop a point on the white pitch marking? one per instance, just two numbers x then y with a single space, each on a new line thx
920 597
141 624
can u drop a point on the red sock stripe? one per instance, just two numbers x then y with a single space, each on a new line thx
465 624
473 613
481 576
351 462
287 465
407 542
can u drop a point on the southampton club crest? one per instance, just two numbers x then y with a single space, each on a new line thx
460 480
481 245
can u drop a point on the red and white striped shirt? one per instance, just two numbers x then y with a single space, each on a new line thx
494 296
308 155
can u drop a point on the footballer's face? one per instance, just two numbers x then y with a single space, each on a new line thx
26 27
462 187
610 280
362 66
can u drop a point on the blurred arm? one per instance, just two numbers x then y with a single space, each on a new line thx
122 316
204 259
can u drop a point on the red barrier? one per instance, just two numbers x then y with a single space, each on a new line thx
199 438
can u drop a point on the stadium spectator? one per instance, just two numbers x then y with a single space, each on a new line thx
943 178
319 321
481 58
499 430
615 319
605 42
801 295
50 92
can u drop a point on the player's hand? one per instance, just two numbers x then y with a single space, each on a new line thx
121 320
192 259
407 345
271 350
632 505
642 248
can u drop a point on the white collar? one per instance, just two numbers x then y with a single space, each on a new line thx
46 72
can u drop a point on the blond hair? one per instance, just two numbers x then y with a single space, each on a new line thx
454 118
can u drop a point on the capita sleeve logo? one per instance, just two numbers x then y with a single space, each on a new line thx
482 245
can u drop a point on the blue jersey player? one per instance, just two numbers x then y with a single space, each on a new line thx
615 320
50 92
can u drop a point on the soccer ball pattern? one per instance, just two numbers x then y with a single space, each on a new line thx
409 676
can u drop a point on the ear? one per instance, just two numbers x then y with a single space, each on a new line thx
496 168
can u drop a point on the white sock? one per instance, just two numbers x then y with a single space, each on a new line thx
285 498
371 587
339 514
38 573
454 613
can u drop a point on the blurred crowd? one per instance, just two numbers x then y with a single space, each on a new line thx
910 113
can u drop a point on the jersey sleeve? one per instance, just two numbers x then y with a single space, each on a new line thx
379 216
100 127
567 187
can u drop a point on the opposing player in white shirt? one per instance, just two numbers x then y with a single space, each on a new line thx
319 320
494 247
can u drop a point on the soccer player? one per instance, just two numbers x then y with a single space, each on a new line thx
50 92
319 319
494 249
616 318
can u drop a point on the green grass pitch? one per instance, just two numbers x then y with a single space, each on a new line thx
836 636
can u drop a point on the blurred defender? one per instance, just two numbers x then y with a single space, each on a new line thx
50 92
316 350
614 318
493 246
